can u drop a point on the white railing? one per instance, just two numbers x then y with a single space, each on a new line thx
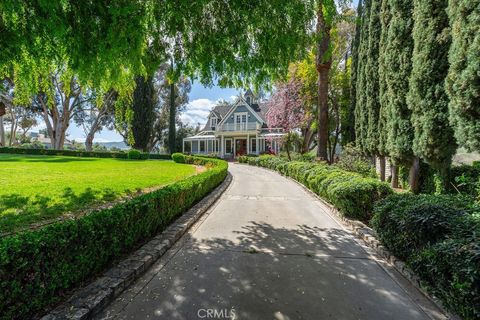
239 126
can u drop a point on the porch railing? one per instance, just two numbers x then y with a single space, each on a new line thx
239 126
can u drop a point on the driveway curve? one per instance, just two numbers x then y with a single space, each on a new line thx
270 250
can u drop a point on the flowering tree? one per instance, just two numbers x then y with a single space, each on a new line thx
286 111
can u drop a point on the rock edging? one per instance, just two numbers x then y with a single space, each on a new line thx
91 299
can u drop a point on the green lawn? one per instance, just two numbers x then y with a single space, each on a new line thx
35 188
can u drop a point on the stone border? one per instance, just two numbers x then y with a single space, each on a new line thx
369 237
91 299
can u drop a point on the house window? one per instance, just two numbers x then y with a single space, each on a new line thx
213 123
249 100
228 146
241 121
202 146
253 145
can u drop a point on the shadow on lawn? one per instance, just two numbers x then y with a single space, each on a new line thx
19 211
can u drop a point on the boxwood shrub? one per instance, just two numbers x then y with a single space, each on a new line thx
439 238
38 267
75 153
351 193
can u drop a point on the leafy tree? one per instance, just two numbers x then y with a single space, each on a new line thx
361 111
463 81
143 106
397 69
94 116
383 113
433 136
286 110
372 103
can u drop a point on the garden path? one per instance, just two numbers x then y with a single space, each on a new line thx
270 250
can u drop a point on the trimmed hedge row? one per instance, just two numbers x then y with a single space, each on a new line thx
439 239
37 267
352 194
90 154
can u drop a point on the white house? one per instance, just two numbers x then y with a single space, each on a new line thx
236 130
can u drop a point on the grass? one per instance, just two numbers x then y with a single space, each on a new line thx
38 188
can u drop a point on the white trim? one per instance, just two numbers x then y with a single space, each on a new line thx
232 146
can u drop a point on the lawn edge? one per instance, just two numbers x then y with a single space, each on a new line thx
368 237
94 297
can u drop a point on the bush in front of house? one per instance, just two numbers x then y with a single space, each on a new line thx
76 153
38 267
134 154
351 193
439 239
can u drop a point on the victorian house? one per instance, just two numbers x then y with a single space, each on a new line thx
234 130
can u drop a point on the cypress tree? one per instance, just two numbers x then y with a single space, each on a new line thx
354 70
143 106
433 136
361 98
383 112
463 81
397 68
372 80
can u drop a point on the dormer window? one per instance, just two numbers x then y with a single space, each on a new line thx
249 100
213 123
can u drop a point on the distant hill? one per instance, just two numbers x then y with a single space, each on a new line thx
119 144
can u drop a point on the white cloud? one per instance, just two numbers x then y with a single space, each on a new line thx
197 111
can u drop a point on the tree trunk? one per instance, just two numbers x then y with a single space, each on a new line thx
414 176
89 142
323 64
2 132
382 167
394 176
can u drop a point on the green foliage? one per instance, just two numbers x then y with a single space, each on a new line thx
397 54
433 136
361 111
354 68
143 105
463 81
372 89
134 155
39 188
352 194
437 236
38 267
353 160
178 157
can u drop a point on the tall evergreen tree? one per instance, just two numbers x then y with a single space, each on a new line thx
383 112
397 69
354 66
372 80
361 98
433 136
463 82
143 113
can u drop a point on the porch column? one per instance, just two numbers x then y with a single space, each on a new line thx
183 146
222 147
248 143
257 150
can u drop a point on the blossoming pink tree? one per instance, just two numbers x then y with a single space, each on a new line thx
286 111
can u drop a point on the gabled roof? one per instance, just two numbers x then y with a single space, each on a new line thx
241 102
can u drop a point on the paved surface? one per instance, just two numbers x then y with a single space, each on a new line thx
269 250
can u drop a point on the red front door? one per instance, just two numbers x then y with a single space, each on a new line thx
240 147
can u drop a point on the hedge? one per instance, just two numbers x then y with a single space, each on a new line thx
352 194
75 153
439 239
38 267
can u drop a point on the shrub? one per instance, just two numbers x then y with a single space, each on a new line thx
134 154
438 237
352 194
352 159
37 267
75 153
178 157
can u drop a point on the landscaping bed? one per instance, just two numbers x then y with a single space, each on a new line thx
39 188
37 267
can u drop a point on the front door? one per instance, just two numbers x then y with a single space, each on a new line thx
240 147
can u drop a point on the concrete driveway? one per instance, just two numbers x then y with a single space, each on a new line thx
269 250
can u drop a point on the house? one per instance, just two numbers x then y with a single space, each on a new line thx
234 130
